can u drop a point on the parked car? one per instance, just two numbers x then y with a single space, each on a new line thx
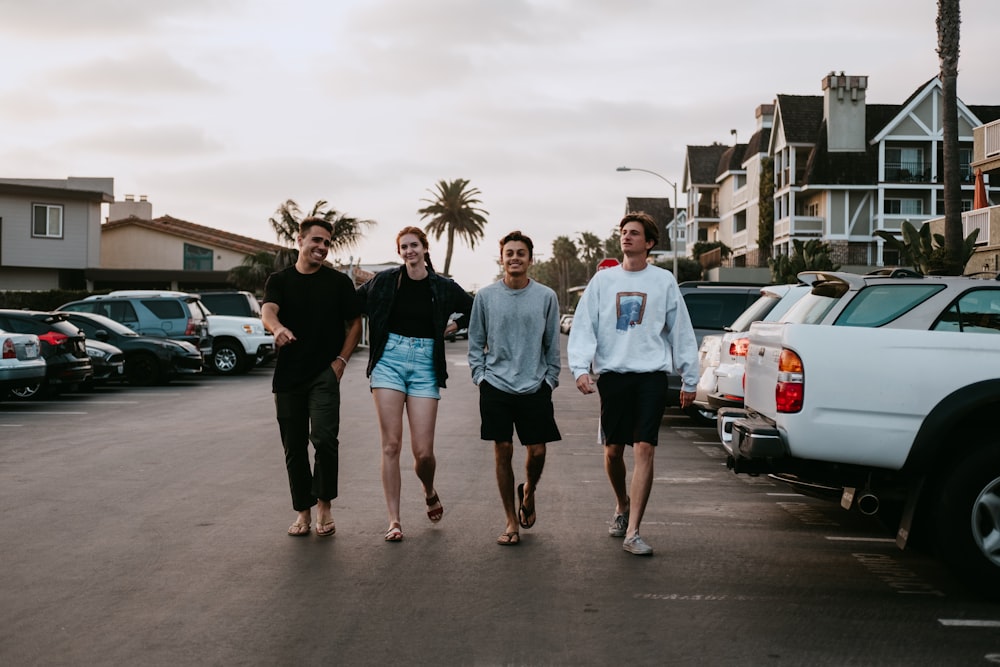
175 315
236 303
62 345
566 323
712 306
724 387
108 362
21 361
232 344
148 360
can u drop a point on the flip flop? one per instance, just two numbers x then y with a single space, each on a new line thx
298 529
509 539
394 534
522 516
325 528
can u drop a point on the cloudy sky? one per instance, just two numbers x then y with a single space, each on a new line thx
220 110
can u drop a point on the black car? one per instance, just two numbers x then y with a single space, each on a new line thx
107 360
66 362
148 360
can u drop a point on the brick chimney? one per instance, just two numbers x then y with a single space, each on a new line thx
844 112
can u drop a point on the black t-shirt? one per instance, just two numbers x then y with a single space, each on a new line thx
412 313
315 307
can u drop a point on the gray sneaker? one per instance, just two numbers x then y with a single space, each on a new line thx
635 545
619 523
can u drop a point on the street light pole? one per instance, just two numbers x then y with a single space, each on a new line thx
673 223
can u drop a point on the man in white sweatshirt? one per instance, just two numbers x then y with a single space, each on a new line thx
514 359
632 328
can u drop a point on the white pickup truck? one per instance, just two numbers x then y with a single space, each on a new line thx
902 419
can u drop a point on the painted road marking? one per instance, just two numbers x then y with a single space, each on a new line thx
898 577
713 452
968 623
887 540
21 414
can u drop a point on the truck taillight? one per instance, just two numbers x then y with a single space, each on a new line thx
192 328
790 390
738 348
8 349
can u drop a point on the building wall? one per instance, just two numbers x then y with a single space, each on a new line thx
26 280
138 248
79 247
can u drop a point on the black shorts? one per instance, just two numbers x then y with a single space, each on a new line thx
632 406
532 415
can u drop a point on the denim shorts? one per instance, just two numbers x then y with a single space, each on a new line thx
407 366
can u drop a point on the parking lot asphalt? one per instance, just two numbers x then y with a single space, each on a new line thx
148 526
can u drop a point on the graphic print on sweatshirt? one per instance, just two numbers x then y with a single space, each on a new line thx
630 308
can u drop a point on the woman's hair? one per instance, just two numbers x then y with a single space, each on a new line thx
419 233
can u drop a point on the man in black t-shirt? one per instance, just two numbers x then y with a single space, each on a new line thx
315 316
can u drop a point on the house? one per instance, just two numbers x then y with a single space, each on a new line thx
139 251
50 231
842 169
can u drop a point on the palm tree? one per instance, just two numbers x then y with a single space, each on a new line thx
948 20
255 269
454 210
590 247
564 253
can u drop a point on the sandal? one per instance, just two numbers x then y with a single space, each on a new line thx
299 529
523 516
394 534
325 528
435 513
509 539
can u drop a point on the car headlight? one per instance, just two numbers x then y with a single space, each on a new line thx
96 354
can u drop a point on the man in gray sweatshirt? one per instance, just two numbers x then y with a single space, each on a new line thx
514 359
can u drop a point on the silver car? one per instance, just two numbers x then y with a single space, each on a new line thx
21 361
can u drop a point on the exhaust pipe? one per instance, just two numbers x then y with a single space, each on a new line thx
868 503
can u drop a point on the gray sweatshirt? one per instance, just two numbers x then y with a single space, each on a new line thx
514 337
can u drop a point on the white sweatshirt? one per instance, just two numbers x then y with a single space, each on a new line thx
633 322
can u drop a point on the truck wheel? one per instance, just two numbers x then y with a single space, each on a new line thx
967 520
227 358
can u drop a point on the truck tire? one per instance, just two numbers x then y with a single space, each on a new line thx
967 520
228 358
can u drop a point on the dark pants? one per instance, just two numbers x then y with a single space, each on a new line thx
311 413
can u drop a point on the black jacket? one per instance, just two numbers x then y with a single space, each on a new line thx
377 296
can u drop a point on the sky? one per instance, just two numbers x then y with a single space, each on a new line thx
219 111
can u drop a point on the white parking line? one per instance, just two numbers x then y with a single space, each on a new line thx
835 538
21 414
968 623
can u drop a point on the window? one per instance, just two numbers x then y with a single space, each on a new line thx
966 205
880 304
904 164
196 258
903 207
977 311
47 221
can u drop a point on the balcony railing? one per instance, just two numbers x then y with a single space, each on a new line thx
907 172
977 219
991 139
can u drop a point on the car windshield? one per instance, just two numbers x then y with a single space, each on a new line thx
96 322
